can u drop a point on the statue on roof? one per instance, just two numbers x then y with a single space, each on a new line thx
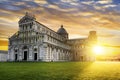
28 17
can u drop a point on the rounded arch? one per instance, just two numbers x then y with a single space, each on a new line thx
25 47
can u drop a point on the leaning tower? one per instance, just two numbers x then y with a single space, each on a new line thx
91 42
92 38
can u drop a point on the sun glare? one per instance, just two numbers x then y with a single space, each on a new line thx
98 50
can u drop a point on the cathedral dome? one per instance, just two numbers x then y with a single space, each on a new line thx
62 30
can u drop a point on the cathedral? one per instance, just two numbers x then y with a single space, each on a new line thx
36 42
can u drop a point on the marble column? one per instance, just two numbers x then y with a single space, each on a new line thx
57 56
50 53
30 58
12 55
54 54
20 54
9 51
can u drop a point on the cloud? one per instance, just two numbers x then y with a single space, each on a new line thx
104 1
107 35
110 5
41 1
87 2
69 1
82 15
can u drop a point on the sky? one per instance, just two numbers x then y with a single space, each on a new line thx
77 16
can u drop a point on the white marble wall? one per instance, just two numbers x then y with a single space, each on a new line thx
3 56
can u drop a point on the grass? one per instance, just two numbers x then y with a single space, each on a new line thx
60 71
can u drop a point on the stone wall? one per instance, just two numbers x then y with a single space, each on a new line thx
3 56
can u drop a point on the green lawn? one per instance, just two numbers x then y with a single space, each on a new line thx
60 71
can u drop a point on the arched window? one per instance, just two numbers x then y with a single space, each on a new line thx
15 50
25 47
26 26
35 49
30 25
23 27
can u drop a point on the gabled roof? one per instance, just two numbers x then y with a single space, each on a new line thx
14 36
27 17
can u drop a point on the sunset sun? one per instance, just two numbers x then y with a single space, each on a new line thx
98 50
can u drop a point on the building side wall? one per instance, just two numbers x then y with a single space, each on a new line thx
3 56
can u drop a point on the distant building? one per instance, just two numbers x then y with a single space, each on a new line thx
36 42
81 48
3 56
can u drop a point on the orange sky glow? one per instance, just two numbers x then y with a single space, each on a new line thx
78 17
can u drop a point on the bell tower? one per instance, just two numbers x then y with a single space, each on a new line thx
92 38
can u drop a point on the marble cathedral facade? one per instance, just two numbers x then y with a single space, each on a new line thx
36 42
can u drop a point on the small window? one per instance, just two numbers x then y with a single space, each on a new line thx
35 49
36 32
15 50
30 26
25 47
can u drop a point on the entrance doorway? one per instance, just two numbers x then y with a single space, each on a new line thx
15 57
25 55
81 58
35 56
